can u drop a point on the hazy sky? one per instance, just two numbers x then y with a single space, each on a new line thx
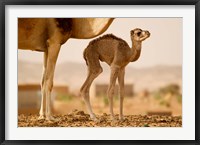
164 47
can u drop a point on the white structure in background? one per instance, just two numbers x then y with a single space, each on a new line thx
99 90
29 97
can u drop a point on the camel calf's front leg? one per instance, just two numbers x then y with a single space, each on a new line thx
111 88
121 91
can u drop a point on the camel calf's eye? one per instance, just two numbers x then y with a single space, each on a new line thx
139 33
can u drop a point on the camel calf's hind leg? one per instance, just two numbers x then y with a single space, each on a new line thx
94 69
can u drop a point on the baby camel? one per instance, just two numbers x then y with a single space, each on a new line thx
117 54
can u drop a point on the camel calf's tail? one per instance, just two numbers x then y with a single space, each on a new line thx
84 56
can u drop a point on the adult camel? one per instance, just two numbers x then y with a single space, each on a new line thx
47 35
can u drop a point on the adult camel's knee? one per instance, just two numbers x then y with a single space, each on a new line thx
48 85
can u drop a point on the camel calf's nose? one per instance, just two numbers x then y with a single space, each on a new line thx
148 33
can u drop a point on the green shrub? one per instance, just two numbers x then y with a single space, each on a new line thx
179 98
105 101
65 97
157 95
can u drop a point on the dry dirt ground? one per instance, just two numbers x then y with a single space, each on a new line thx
81 119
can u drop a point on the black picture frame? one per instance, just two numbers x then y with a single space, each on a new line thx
3 5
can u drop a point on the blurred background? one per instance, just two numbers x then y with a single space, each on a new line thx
153 84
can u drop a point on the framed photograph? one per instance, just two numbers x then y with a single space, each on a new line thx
84 72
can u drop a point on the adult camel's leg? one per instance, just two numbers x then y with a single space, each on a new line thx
121 91
111 88
53 51
43 99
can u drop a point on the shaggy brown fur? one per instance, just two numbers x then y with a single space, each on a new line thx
108 36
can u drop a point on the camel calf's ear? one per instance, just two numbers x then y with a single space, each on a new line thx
132 32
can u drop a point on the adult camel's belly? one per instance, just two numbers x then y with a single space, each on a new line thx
32 34
84 28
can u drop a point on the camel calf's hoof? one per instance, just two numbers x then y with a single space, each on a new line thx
51 118
113 118
94 118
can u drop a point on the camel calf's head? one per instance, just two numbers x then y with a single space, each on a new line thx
139 35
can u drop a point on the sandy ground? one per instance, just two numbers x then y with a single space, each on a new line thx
71 112
81 119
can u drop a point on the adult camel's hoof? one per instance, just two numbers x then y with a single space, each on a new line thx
41 117
121 118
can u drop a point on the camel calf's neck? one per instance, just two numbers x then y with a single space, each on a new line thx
116 53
